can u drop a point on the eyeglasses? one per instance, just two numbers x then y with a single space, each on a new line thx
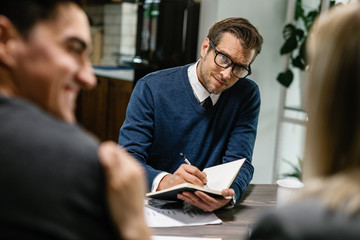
224 61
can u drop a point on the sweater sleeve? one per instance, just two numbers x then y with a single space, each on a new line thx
242 138
136 134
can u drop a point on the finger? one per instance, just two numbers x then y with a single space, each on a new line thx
196 172
228 192
118 164
108 155
184 174
206 198
192 175
192 199
214 203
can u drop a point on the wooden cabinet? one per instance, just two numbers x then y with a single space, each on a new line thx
102 110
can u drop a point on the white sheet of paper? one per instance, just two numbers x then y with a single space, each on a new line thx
156 217
154 237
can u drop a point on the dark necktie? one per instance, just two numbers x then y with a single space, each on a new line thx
208 103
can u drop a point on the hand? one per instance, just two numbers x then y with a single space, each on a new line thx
184 174
125 182
205 202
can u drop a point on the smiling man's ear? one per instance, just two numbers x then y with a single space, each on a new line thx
9 38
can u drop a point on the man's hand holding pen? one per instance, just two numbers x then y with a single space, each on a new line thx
186 173
191 174
201 199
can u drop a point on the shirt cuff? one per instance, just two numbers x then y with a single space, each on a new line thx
232 203
157 180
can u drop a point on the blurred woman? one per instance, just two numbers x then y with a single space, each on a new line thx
329 207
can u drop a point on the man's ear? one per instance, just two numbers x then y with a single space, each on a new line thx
205 46
9 38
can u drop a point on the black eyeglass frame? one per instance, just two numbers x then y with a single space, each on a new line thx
231 62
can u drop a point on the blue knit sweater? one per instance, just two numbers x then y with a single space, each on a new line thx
163 118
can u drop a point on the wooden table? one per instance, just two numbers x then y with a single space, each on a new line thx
237 221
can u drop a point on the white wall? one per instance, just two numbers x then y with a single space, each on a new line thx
120 21
269 17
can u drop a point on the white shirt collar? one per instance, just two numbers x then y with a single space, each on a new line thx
199 91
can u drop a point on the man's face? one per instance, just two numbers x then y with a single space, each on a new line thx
214 78
52 63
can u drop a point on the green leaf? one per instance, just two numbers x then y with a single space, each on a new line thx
288 31
299 62
295 41
294 166
292 36
299 34
292 174
332 3
302 50
299 11
289 46
296 169
309 19
285 78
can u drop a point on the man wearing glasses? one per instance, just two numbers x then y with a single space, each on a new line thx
207 110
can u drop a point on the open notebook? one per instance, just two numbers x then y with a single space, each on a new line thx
219 177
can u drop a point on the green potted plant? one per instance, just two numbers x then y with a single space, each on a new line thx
295 36
296 170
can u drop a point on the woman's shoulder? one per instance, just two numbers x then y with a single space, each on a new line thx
306 219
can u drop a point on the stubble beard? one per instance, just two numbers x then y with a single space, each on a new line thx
204 79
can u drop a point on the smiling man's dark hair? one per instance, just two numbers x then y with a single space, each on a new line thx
24 14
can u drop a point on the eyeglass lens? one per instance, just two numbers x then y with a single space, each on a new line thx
225 62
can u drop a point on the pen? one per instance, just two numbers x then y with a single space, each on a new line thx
186 160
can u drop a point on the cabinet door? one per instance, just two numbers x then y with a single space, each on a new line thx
119 93
92 109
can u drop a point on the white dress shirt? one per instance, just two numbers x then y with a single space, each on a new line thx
201 94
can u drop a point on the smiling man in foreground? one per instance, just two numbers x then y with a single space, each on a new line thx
56 181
